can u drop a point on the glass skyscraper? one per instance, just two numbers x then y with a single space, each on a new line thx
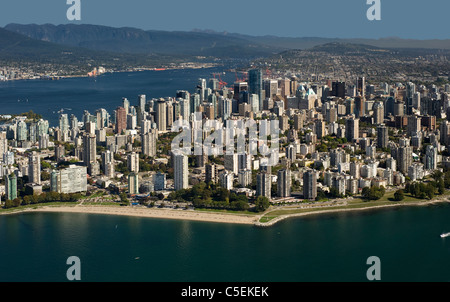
255 85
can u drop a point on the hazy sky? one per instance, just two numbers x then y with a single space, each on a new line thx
418 19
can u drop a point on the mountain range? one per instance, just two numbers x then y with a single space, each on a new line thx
76 49
193 43
137 41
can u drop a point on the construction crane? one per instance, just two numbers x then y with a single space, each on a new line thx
244 79
222 84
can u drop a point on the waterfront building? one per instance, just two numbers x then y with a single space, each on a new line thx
70 180
34 168
181 180
309 185
133 183
11 186
284 183
263 184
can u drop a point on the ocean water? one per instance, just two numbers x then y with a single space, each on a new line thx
75 95
326 247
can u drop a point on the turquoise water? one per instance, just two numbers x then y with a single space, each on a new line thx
328 247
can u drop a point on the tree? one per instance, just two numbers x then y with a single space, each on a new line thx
407 187
320 195
123 198
8 204
429 191
441 186
399 195
239 205
373 193
27 199
45 165
365 192
172 196
17 202
45 176
437 175
334 193
262 203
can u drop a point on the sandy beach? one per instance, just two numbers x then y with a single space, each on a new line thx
153 213
206 216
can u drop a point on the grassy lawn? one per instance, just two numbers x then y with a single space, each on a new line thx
225 211
38 205
95 195
56 204
356 203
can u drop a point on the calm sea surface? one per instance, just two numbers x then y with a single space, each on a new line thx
331 247
328 247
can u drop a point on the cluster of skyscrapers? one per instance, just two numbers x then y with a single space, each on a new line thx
385 133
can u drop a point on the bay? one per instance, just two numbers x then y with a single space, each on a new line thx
326 247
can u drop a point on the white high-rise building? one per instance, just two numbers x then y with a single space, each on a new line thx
245 177
70 180
3 144
226 180
161 115
226 107
133 162
108 163
64 122
231 163
21 131
133 183
431 158
284 183
34 168
254 102
184 108
148 142
180 173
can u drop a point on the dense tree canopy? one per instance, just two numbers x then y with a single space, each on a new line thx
373 193
204 195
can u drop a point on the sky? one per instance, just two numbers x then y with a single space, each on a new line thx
408 19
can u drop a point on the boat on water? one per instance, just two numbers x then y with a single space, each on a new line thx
443 235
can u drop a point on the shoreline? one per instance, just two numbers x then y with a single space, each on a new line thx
148 213
283 217
192 215
136 69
